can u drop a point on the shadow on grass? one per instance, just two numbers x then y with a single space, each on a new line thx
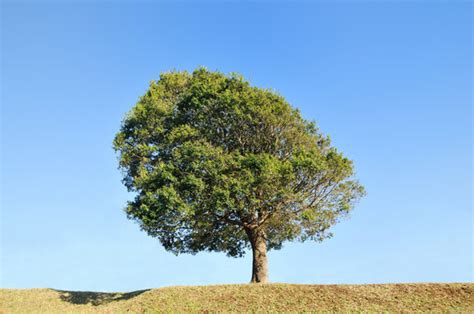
96 298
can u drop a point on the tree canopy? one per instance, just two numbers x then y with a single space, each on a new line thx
219 165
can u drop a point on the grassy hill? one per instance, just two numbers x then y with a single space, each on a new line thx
456 297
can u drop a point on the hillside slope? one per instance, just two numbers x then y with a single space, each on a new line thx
456 297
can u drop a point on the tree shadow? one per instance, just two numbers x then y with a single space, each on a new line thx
96 298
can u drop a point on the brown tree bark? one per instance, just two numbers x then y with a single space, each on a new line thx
259 253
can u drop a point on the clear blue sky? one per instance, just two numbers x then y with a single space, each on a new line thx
390 82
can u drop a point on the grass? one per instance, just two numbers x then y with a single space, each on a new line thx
453 298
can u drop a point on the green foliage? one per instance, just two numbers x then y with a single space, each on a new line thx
210 156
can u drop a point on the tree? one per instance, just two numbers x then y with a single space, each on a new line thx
219 165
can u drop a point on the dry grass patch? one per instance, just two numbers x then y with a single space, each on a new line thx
453 298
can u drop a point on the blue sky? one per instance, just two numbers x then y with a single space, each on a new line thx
389 81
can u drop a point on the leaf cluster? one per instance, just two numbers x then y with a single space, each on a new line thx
209 156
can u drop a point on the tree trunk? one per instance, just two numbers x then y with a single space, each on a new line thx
259 252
